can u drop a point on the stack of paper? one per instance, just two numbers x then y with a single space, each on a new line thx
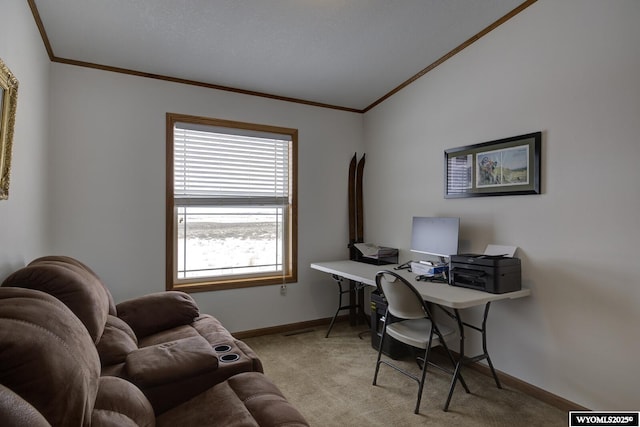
371 250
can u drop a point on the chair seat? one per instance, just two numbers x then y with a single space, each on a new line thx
415 332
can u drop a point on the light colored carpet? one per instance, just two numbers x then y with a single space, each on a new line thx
330 381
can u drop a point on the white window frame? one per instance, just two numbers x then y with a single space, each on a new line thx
174 201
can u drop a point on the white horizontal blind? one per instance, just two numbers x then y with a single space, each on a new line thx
229 167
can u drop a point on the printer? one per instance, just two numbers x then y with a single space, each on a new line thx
496 274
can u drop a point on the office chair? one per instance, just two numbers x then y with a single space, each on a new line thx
408 320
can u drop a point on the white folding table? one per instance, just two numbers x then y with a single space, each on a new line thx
450 298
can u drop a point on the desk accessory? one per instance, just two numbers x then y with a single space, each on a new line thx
496 274
423 269
374 254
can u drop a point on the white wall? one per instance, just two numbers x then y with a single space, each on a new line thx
108 187
570 69
23 232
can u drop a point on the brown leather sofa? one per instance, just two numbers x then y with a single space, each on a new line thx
70 356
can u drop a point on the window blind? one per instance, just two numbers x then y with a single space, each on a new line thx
229 166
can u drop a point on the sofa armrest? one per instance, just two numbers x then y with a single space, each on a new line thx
171 361
157 312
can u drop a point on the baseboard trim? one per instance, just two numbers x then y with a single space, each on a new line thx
529 389
506 379
522 386
291 327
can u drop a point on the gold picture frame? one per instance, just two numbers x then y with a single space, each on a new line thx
8 105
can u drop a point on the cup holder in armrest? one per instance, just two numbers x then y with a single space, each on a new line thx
221 348
230 357
226 357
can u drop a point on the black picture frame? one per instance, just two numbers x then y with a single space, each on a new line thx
504 167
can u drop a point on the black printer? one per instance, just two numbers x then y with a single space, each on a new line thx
496 274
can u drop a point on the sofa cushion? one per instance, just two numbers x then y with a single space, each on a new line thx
17 412
117 341
117 370
156 312
245 400
170 362
73 261
120 403
265 402
72 285
47 356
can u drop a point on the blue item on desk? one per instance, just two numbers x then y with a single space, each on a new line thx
423 269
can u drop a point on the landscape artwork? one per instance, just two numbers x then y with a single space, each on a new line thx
509 166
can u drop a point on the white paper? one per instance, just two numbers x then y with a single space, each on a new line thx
368 249
509 251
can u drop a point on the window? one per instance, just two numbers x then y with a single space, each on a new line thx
231 204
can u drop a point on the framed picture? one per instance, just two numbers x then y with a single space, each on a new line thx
8 101
509 166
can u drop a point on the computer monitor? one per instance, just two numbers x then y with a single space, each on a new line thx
435 236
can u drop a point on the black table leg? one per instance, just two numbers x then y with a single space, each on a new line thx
463 360
356 302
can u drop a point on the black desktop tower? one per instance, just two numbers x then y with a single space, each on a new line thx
392 347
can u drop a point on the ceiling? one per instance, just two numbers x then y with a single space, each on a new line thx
347 54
